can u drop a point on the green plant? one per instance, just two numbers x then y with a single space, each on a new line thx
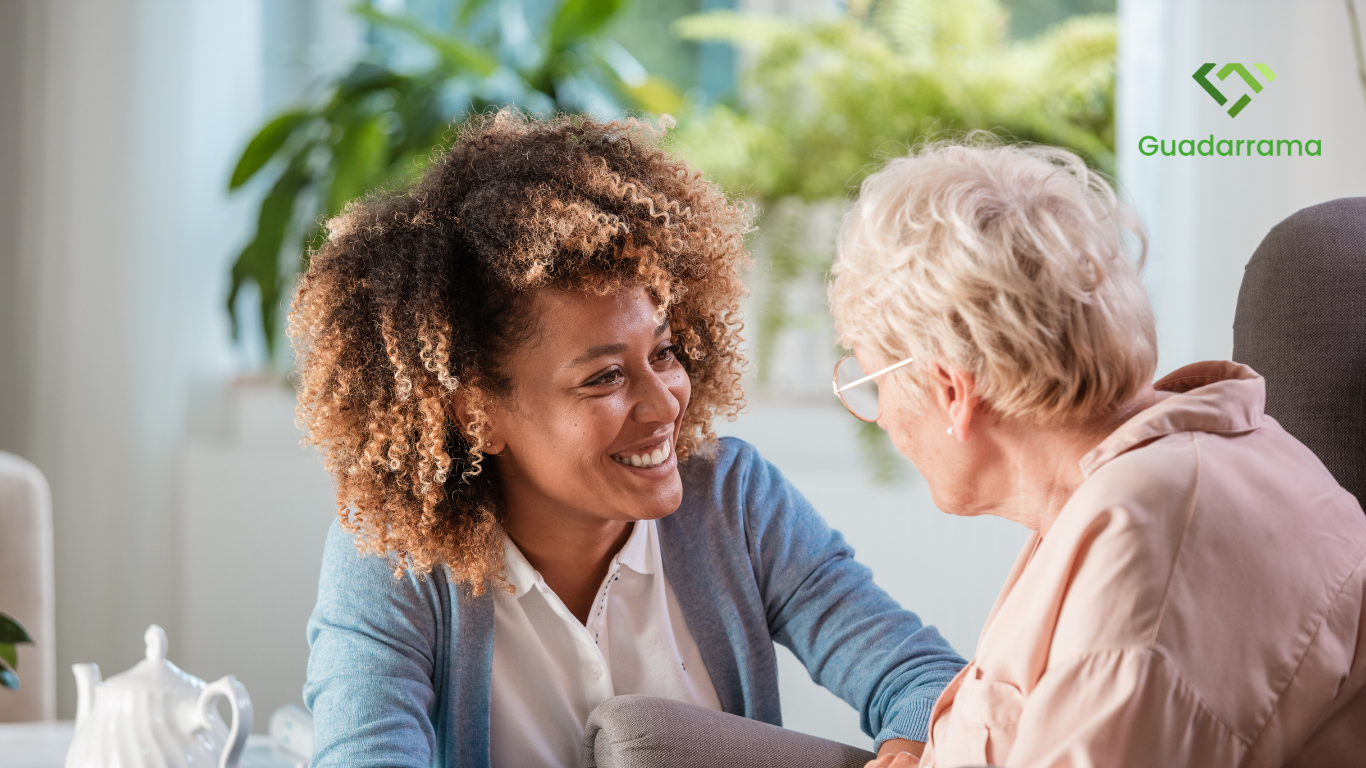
11 634
823 98
377 124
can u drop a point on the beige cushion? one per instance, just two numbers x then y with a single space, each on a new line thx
26 589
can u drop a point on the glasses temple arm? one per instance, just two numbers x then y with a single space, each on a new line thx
872 376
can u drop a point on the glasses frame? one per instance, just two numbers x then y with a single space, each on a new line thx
838 390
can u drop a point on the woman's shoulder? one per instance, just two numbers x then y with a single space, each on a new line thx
1151 477
1196 527
1114 547
728 487
731 473
356 577
719 456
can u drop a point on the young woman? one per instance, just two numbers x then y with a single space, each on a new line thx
512 369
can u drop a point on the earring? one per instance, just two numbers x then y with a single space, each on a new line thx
950 430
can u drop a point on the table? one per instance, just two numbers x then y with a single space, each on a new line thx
44 745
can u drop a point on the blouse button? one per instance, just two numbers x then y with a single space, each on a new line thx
596 672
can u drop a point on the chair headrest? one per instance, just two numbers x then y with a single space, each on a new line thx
1301 323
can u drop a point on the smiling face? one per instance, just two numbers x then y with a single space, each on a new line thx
597 399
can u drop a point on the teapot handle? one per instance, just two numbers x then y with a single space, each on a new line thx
236 694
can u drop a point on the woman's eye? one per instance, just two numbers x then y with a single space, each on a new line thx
610 377
667 353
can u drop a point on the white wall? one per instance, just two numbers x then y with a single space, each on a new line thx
130 114
1206 215
254 511
100 243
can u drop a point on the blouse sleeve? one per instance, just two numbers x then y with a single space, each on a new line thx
852 637
371 667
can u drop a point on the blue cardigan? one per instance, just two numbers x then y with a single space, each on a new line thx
399 670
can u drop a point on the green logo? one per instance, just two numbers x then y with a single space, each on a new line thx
1229 69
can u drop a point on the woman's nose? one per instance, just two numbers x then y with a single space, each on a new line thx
655 400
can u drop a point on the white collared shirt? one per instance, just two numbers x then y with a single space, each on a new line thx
550 671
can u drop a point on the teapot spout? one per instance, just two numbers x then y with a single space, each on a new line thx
87 680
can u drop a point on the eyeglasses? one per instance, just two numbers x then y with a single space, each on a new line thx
860 402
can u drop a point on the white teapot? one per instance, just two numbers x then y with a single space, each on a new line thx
156 715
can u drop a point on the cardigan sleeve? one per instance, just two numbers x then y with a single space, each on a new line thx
852 637
372 662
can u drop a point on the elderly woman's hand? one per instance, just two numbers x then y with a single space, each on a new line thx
898 753
898 760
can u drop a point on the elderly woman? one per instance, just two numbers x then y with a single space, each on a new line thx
513 367
1192 591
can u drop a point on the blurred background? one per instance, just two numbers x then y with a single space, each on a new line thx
164 163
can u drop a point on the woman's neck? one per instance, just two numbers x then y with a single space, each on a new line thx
1043 465
571 552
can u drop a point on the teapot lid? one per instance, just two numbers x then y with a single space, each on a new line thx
154 673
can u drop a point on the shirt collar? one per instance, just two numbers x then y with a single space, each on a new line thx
518 571
1213 396
635 554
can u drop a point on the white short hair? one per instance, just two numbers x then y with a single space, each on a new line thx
1006 262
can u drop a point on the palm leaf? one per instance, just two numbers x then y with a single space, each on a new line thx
458 55
468 10
259 261
359 159
382 125
265 144
579 19
12 631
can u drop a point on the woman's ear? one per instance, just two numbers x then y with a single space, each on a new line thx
458 406
956 393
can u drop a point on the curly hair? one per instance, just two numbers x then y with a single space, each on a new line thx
419 293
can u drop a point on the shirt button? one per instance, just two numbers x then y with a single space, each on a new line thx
596 672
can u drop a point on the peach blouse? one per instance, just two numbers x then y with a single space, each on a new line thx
1199 601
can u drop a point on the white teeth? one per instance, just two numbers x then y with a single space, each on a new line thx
647 460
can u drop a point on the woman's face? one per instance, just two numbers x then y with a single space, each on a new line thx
919 428
598 399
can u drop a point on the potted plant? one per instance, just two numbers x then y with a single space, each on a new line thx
824 96
377 124
11 634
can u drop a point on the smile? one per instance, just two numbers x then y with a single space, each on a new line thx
651 456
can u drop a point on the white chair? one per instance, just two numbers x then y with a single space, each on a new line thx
26 587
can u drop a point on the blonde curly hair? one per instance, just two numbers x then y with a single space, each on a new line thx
418 294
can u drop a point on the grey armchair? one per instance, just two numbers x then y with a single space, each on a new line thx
1301 323
645 732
